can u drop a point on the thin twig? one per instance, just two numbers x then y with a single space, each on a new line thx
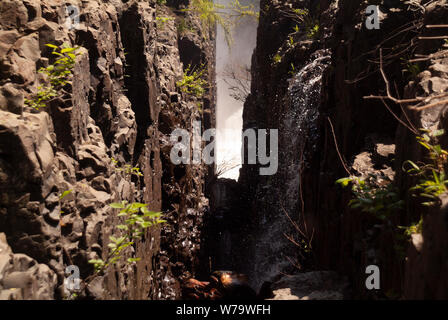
437 26
293 222
435 104
433 38
414 129
398 119
337 148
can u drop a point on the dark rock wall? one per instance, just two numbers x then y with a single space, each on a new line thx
343 239
123 104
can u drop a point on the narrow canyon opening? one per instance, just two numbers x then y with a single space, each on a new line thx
233 62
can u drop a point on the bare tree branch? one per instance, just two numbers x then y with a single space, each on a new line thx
238 79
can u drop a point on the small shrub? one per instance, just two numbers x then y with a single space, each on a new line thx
379 200
127 169
59 74
413 229
432 177
138 219
313 31
183 27
192 81
277 58
303 17
411 69
161 21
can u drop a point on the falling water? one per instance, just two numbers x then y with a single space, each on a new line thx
298 135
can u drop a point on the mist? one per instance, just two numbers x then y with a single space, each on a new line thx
229 110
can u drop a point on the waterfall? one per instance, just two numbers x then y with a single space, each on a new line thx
298 134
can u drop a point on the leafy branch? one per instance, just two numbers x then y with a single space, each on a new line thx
371 197
227 16
59 74
127 169
432 176
192 81
138 219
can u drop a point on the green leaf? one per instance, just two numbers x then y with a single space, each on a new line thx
117 205
146 224
64 194
438 133
67 50
344 181
137 205
51 45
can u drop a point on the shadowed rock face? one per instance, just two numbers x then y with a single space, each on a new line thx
369 138
123 103
21 277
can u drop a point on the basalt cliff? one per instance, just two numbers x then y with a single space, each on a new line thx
122 105
349 99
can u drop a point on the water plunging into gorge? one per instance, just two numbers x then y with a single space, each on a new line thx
232 70
281 195
250 237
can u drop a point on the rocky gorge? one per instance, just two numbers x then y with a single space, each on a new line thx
347 101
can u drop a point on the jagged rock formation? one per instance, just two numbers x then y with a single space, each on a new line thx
309 82
123 104
21 277
301 83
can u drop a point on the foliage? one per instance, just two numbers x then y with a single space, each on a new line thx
292 71
227 16
414 228
192 81
277 58
183 26
381 200
138 219
161 2
412 69
64 194
291 41
304 18
432 177
127 169
313 31
59 74
161 21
